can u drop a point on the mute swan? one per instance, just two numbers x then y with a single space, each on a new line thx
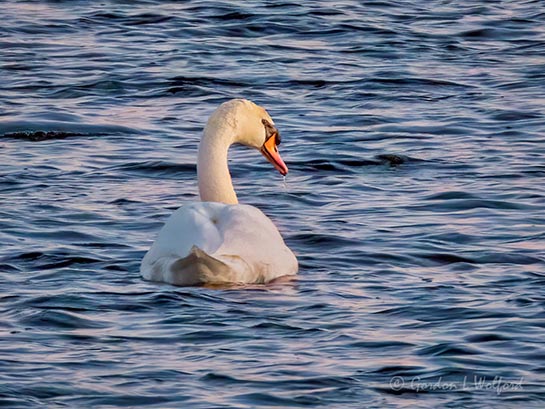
217 240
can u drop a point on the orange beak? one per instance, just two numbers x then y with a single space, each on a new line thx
270 151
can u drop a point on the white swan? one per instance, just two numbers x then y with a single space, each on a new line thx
217 240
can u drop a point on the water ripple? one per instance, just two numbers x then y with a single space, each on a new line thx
414 203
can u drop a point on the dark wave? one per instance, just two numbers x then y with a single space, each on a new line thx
36 136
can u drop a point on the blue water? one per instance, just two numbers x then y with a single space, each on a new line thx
414 133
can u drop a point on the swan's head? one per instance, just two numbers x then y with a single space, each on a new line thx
252 126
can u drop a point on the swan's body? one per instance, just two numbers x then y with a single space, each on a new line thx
218 240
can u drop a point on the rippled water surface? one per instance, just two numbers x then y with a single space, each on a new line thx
414 132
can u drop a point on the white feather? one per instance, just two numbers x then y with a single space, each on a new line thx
219 240
206 242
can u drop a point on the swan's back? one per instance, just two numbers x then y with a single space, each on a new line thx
207 242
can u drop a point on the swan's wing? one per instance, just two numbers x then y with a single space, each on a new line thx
191 225
237 243
253 244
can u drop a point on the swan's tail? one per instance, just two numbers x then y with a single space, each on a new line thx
196 268
199 268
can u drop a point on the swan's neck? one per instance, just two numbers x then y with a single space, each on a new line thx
215 183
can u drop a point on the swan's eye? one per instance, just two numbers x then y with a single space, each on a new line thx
271 131
278 138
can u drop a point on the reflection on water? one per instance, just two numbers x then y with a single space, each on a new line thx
414 203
